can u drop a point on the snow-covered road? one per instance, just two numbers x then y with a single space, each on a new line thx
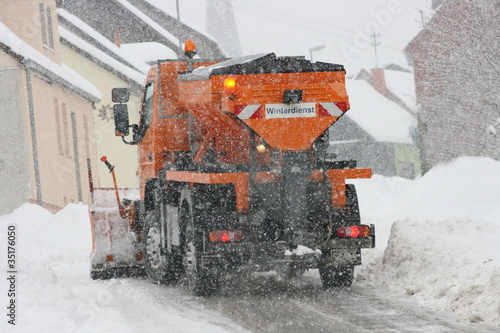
266 305
436 268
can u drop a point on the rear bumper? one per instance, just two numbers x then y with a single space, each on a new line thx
267 256
350 243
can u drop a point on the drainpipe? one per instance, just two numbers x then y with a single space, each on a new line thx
34 145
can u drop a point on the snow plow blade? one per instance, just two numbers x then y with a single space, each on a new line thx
116 240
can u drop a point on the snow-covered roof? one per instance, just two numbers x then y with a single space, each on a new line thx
150 51
146 19
63 73
402 85
127 57
381 118
128 72
197 24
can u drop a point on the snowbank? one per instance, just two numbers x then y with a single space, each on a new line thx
444 245
55 292
446 265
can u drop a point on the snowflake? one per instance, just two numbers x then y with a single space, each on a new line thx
105 113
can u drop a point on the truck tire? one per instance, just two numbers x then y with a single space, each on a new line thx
161 268
332 276
200 280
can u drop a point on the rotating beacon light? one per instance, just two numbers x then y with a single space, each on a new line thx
230 86
190 48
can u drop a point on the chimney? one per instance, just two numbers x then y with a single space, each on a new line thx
378 80
117 37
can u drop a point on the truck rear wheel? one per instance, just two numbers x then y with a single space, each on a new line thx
161 267
201 281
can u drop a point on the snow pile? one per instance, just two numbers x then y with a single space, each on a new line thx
444 247
447 265
54 292
46 246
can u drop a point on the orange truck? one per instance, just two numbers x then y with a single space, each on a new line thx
234 176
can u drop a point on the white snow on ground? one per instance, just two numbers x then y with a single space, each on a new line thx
438 245
56 294
444 245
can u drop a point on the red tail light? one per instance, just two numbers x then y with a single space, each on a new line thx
354 231
225 235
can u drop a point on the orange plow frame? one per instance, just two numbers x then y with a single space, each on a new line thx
241 180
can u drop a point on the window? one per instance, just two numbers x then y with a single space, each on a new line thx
87 138
66 130
49 28
43 24
46 26
58 127
147 106
76 154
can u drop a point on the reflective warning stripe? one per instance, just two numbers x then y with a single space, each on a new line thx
329 110
246 111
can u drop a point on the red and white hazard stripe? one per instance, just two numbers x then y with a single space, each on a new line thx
251 111
329 110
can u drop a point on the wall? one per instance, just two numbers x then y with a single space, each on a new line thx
48 148
123 156
63 123
14 172
457 66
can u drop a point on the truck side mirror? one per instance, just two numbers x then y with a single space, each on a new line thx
120 95
120 113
